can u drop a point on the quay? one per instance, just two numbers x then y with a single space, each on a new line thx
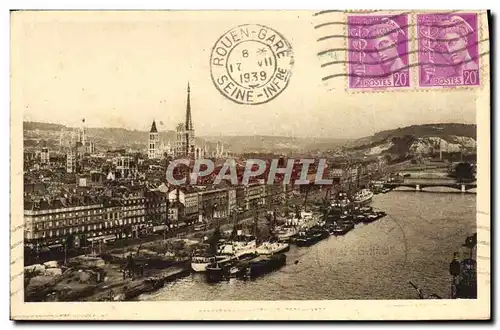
151 283
116 288
77 285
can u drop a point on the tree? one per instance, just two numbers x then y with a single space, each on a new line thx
269 219
464 172
70 241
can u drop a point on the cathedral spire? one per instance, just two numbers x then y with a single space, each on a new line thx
153 127
189 121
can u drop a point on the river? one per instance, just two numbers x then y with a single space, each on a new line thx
415 241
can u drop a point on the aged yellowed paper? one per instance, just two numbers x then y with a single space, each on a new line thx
271 165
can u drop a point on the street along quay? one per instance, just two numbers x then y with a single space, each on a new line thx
349 233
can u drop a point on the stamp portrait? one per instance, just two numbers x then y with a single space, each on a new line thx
251 64
448 52
378 52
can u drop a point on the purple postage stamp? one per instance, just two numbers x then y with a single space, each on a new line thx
448 54
378 51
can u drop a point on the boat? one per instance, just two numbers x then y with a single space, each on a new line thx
270 248
340 201
215 272
239 244
238 271
200 263
344 218
239 266
266 264
285 234
147 285
308 238
371 217
339 204
359 218
212 255
321 230
365 209
269 257
341 228
240 248
261 265
363 197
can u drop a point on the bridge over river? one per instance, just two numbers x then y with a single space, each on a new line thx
420 186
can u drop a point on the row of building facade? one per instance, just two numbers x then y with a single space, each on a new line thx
77 220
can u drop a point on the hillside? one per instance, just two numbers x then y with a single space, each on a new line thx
36 134
418 139
412 139
275 144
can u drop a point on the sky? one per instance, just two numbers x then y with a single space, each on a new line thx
124 69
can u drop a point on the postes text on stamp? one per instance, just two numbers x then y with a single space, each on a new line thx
251 64
377 52
448 54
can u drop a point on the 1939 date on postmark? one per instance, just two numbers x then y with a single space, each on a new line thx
448 52
251 64
378 52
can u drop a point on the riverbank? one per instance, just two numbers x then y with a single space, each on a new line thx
414 242
110 276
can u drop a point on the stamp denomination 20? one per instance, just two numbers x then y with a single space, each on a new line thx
378 52
251 64
448 50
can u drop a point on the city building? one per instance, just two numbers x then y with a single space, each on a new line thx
52 222
275 194
73 158
231 200
45 156
168 149
185 145
213 203
173 214
156 209
255 195
82 134
188 197
80 218
154 142
91 147
347 178
71 161
123 164
134 214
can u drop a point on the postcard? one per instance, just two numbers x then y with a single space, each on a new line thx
250 165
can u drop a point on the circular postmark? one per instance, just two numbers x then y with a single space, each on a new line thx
251 64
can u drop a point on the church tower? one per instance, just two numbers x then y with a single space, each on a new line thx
153 150
82 134
189 129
